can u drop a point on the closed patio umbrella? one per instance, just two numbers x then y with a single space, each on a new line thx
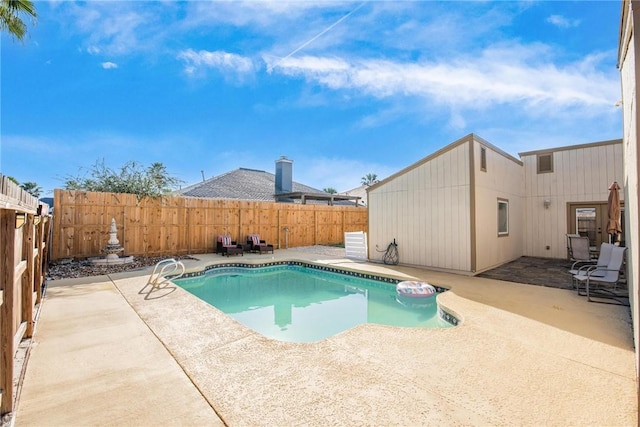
613 226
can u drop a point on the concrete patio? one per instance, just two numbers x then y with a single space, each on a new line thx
103 354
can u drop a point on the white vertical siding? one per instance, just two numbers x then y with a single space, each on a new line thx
503 179
581 174
427 207
629 76
426 210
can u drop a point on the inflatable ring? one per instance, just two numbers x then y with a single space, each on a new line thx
412 289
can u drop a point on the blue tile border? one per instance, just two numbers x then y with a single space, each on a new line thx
384 282
448 316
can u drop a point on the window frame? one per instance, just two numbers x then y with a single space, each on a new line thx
483 159
503 202
538 157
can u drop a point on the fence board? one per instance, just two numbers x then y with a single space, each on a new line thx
20 250
177 225
7 258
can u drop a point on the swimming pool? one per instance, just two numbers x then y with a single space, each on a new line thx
303 303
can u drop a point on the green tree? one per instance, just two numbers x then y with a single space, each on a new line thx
32 188
330 190
132 178
11 12
370 178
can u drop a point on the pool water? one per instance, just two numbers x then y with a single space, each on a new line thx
300 304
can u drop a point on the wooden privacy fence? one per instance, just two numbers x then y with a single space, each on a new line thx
24 243
179 226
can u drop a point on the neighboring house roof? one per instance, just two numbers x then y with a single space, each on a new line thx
359 192
241 184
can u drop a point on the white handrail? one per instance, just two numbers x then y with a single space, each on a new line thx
168 267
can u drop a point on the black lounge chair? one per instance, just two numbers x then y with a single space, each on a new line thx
225 246
257 245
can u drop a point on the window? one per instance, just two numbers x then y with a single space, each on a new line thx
483 159
545 163
586 224
503 217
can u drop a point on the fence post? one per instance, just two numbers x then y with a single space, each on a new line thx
46 250
7 281
278 230
240 239
344 229
315 226
40 245
28 278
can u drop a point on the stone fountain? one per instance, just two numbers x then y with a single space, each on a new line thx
112 249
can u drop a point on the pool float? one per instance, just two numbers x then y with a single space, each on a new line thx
412 289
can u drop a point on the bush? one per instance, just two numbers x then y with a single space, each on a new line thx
132 178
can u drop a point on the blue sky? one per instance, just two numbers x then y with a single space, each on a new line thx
342 88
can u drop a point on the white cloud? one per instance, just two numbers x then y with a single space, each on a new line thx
222 61
562 22
260 13
499 75
320 68
115 28
109 65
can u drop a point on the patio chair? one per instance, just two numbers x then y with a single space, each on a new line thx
257 245
584 267
603 282
225 246
569 236
578 247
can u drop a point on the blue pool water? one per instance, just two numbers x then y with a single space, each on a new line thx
301 304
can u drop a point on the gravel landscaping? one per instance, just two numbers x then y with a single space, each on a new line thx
71 269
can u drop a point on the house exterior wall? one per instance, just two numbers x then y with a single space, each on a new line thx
425 207
629 73
581 173
502 180
443 210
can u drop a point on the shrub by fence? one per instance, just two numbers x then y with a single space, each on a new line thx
24 243
178 226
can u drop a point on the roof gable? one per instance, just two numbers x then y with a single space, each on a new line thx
468 139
